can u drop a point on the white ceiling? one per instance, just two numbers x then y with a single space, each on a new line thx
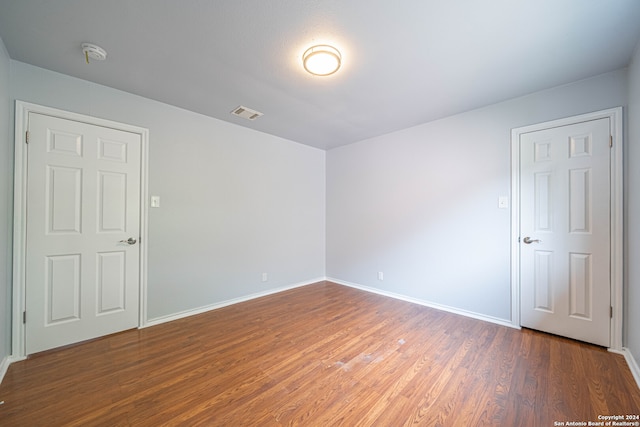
404 62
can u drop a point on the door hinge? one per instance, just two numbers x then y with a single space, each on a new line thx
27 137
611 312
24 317
610 140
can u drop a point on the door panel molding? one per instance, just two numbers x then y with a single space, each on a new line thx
616 207
22 111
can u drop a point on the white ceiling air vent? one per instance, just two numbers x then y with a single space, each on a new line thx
246 113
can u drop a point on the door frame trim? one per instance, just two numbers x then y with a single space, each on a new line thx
22 110
616 205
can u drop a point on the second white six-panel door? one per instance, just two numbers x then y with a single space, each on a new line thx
565 231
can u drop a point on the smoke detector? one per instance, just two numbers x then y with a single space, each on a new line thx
246 113
92 51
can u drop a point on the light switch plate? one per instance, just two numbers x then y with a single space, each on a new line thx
155 201
503 202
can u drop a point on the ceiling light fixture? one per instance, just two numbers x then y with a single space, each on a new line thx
322 60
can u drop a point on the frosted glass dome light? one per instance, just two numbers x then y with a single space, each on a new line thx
322 60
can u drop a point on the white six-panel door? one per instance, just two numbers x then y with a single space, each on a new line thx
83 206
565 217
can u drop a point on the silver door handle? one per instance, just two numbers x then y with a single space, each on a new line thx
129 241
528 240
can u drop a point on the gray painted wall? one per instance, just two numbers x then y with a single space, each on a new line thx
633 210
234 202
6 204
421 205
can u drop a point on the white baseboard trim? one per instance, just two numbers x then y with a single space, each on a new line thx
631 362
4 365
437 306
204 309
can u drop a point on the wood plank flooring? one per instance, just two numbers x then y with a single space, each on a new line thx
320 355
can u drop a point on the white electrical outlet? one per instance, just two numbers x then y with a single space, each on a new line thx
265 277
380 275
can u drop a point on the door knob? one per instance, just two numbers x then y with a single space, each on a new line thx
129 241
528 240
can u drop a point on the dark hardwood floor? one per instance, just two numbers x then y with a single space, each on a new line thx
320 355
